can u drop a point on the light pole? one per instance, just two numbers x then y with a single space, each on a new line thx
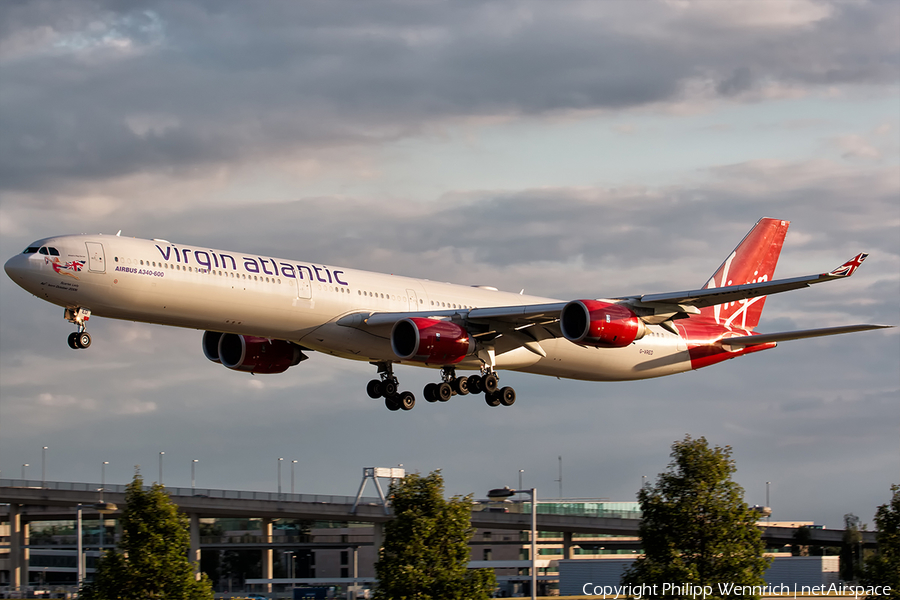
290 555
643 481
23 469
103 478
505 492
161 454
280 460
193 475
78 545
104 508
293 462
520 477
44 467
769 506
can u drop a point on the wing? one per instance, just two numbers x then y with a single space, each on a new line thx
712 296
528 324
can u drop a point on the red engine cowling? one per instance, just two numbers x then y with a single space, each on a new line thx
251 354
430 341
600 324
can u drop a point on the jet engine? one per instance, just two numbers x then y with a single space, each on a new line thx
600 324
251 354
430 341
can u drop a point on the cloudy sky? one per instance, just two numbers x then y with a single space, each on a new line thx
576 149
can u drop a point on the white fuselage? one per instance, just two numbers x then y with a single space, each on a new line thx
155 281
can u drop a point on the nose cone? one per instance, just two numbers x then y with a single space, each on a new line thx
17 268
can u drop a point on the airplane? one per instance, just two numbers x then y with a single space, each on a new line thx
260 314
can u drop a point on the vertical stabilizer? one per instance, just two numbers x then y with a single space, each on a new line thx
752 261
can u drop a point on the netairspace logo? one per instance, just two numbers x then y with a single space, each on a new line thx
729 589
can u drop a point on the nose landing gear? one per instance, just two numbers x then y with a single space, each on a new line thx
80 339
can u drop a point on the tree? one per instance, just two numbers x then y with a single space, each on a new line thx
883 569
152 560
426 546
696 528
850 548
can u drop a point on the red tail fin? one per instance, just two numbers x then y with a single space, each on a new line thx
753 260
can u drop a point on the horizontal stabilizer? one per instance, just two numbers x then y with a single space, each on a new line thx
751 340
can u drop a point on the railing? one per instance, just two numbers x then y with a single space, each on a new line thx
189 492
554 508
572 508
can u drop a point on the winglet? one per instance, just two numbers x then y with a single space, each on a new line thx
847 269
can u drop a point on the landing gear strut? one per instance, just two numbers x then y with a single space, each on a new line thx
79 316
387 387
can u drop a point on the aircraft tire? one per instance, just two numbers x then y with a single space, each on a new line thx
473 382
84 340
490 383
392 403
492 399
430 392
461 385
373 388
507 396
73 341
444 391
406 400
388 388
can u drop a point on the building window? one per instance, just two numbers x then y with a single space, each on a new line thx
345 559
345 572
487 554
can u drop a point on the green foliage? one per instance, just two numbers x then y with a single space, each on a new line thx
152 559
426 546
850 548
696 528
883 569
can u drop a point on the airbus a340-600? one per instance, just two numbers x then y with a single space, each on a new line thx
261 314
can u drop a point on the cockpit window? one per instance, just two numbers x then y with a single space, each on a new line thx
54 251
44 250
31 250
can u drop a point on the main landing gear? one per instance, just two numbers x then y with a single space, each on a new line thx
488 383
387 387
78 340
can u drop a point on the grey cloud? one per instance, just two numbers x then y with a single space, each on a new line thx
238 83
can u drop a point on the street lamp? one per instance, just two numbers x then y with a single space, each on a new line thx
104 508
23 469
78 545
161 454
293 462
505 492
193 475
103 478
44 467
520 477
280 460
